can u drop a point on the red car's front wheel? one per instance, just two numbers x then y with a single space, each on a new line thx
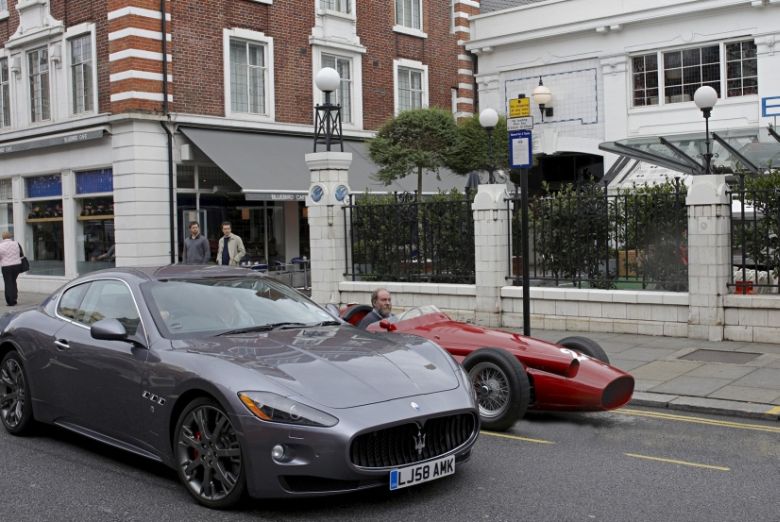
501 385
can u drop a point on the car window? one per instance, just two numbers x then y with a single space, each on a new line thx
109 300
71 301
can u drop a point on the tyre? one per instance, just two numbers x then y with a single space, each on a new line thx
502 387
208 455
586 346
15 400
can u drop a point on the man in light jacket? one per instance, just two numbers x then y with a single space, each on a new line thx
231 248
196 247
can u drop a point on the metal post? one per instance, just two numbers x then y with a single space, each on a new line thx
708 155
491 161
526 253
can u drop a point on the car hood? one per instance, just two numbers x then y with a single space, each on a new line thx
338 366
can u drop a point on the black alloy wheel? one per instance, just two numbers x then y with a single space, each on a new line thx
15 404
208 455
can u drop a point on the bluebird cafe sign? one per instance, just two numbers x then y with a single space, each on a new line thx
52 141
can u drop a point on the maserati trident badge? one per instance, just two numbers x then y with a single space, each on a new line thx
419 442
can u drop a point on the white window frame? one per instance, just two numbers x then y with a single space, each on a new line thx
410 64
49 80
357 82
76 32
7 86
400 27
260 39
324 10
723 94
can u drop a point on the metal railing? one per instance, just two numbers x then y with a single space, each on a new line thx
584 237
296 274
755 248
402 240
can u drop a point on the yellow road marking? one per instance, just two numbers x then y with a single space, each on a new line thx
681 462
699 420
516 437
774 411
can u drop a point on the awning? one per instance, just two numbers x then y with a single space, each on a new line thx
65 138
737 150
272 166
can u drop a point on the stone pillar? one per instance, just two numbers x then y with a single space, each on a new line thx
328 193
709 256
614 74
491 241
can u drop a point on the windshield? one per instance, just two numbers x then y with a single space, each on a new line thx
417 312
183 308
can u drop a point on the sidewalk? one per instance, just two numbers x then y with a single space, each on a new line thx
728 377
735 378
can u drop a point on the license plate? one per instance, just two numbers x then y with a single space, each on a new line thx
419 473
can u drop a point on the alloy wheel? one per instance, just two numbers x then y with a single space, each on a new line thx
12 394
209 454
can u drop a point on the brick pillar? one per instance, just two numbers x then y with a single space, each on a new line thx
709 256
328 192
491 240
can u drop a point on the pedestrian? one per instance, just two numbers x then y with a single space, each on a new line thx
231 248
196 247
383 307
11 263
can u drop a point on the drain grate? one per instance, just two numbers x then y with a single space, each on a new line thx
720 356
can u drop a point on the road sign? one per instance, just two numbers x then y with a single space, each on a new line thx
519 107
526 122
520 149
770 106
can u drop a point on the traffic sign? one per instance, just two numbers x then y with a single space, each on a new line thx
519 107
526 122
770 106
520 143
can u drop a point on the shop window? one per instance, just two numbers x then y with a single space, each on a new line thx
185 177
95 227
6 206
44 238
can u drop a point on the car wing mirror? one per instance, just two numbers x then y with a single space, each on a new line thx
384 324
109 330
333 310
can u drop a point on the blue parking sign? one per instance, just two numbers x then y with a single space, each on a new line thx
520 151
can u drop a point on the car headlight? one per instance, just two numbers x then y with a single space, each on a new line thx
275 408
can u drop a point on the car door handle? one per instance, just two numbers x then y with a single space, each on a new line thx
61 344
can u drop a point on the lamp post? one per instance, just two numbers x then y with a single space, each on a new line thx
542 97
488 118
705 98
327 121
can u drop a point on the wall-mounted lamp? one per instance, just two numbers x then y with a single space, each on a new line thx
542 97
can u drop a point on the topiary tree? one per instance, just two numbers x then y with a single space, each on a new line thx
414 142
471 150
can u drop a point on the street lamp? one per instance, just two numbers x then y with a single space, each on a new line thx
542 97
705 98
488 118
327 121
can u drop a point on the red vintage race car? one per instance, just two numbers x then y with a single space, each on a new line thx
513 373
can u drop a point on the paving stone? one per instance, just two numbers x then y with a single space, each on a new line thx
645 353
742 393
761 378
664 370
645 385
625 364
721 371
693 386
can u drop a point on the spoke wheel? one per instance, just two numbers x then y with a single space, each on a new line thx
15 406
501 386
208 455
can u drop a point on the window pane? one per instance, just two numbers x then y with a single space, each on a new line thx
710 54
672 59
691 57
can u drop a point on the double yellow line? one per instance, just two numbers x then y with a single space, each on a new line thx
698 420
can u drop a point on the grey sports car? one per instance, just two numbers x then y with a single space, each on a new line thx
238 382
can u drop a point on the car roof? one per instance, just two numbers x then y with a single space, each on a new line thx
167 272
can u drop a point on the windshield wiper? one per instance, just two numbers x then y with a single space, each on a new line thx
326 323
262 328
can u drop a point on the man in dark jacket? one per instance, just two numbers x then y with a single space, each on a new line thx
383 306
196 247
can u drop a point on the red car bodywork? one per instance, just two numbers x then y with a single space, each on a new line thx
561 379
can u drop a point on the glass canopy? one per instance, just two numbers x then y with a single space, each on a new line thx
733 151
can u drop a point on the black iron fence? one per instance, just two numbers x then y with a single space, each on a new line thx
394 238
755 248
584 237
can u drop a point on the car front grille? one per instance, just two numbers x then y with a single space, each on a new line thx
412 442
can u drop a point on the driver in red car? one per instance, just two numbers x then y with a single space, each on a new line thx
383 306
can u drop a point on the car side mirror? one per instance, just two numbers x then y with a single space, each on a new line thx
384 324
332 309
109 330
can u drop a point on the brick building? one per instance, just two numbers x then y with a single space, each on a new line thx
97 151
